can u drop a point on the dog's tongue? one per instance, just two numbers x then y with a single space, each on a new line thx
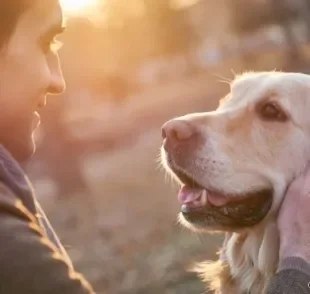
190 195
187 194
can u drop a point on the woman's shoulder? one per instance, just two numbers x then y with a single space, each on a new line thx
14 182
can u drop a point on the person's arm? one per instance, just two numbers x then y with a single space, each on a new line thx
29 262
293 274
293 277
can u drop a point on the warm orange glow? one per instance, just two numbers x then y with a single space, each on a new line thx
77 6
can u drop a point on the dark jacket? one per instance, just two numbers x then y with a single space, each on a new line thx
32 259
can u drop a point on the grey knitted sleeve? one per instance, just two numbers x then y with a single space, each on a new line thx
293 277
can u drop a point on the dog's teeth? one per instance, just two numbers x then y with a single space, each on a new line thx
203 199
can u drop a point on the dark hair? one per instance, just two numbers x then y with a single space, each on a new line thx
10 12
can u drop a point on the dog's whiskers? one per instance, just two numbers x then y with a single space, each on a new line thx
223 79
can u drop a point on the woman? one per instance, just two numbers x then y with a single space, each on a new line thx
32 260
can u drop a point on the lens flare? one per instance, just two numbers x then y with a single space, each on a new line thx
77 6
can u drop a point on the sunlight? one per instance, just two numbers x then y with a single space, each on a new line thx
77 6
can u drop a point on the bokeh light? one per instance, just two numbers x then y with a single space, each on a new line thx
77 6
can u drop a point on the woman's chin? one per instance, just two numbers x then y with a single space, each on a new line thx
21 150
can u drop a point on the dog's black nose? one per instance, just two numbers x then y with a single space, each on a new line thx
177 130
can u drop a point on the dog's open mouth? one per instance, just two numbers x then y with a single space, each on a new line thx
206 207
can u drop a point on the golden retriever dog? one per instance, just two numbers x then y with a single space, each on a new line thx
234 165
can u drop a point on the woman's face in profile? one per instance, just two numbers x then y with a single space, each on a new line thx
29 70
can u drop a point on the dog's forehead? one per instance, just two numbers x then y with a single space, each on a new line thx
253 87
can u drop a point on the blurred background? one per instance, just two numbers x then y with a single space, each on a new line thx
129 67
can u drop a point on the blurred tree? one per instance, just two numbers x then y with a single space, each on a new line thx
305 14
147 28
250 16
168 27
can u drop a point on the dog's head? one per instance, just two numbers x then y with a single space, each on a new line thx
235 163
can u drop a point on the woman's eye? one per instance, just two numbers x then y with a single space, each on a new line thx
272 112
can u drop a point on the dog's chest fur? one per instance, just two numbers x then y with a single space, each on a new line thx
248 261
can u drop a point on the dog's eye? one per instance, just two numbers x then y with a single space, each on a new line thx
271 111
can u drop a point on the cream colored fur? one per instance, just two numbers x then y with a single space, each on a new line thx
243 152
